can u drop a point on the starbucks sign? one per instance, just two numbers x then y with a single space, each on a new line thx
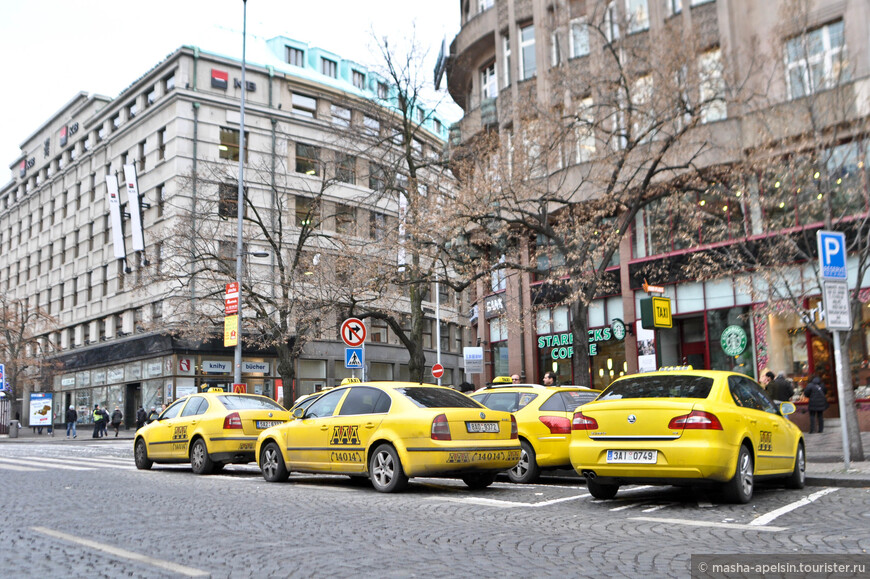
733 340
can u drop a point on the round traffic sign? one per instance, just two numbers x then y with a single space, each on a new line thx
437 370
353 332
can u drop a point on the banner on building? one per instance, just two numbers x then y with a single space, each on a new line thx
115 216
134 207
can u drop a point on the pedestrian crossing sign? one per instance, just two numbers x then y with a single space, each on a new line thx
353 357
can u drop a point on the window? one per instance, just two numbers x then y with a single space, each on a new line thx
552 321
229 146
132 110
611 24
383 90
584 131
345 168
641 104
307 159
325 405
151 98
295 56
377 177
304 212
328 67
345 219
488 86
361 400
161 144
160 194
579 40
195 406
637 12
815 60
712 86
228 198
498 280
372 125
484 5
506 44
116 122
340 116
377 226
527 52
555 48
674 7
140 155
304 105
378 331
359 79
169 82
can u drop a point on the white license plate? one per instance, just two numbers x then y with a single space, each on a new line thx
482 426
261 424
633 456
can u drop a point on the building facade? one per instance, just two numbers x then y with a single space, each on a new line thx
178 125
511 50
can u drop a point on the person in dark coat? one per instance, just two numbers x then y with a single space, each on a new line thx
141 417
152 416
71 418
117 417
780 389
817 403
466 387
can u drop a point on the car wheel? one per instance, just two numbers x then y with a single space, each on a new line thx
272 463
479 480
217 467
739 488
200 462
526 470
601 490
140 453
385 470
798 477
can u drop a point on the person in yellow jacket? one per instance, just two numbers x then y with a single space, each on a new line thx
98 421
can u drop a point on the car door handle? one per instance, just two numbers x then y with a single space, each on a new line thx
324 427
369 424
753 422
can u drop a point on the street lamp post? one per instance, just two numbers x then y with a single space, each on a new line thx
237 358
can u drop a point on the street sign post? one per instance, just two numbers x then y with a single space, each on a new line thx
437 371
835 296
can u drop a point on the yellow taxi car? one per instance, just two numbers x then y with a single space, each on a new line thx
390 431
686 427
543 416
208 430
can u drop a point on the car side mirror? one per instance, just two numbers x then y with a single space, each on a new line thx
787 408
298 412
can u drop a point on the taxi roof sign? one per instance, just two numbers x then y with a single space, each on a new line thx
350 380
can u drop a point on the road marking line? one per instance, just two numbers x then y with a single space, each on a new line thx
764 519
505 504
118 552
19 468
49 465
319 487
692 523
657 508
629 506
77 462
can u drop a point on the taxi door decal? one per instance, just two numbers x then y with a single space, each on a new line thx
344 435
765 441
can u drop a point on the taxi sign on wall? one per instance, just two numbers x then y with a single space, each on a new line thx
656 313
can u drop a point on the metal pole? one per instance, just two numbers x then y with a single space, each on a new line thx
437 325
841 389
237 359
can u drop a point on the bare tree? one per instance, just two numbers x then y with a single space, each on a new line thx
24 355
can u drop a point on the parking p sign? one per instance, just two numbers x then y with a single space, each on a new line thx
832 254
2 377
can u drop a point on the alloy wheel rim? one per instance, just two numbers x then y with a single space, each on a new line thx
270 464
197 455
522 466
384 468
746 474
802 464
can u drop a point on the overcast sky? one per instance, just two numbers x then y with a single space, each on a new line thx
52 49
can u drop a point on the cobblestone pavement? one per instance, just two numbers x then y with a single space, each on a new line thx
82 509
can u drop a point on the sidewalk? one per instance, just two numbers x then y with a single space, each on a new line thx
84 431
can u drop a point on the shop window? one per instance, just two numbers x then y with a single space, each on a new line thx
312 376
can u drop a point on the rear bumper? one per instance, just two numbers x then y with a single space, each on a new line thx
453 457
677 460
234 449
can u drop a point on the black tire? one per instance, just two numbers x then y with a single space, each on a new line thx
739 488
217 467
272 463
200 461
798 478
385 470
527 469
601 490
479 480
140 454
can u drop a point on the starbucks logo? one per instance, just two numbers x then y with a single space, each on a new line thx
618 329
733 340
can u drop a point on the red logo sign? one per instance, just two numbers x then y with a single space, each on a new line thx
240 388
437 370
353 332
184 364
231 306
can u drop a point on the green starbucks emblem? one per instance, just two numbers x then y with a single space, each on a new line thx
618 328
733 340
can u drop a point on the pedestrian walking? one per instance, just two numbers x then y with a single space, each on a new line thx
781 389
71 418
117 417
141 417
98 426
104 423
152 416
817 403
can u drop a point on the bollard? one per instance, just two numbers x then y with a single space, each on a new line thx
14 425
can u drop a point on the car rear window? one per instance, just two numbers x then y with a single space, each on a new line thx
659 386
248 403
575 399
438 398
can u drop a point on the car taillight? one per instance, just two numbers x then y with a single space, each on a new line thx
557 424
696 419
582 422
232 421
514 431
440 428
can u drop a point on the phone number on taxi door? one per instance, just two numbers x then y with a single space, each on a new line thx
455 457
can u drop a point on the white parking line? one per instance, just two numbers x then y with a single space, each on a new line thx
168 565
764 519
30 462
19 468
496 503
628 506
84 462
693 523
658 508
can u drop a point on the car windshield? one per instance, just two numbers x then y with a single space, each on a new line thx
659 386
426 397
232 402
